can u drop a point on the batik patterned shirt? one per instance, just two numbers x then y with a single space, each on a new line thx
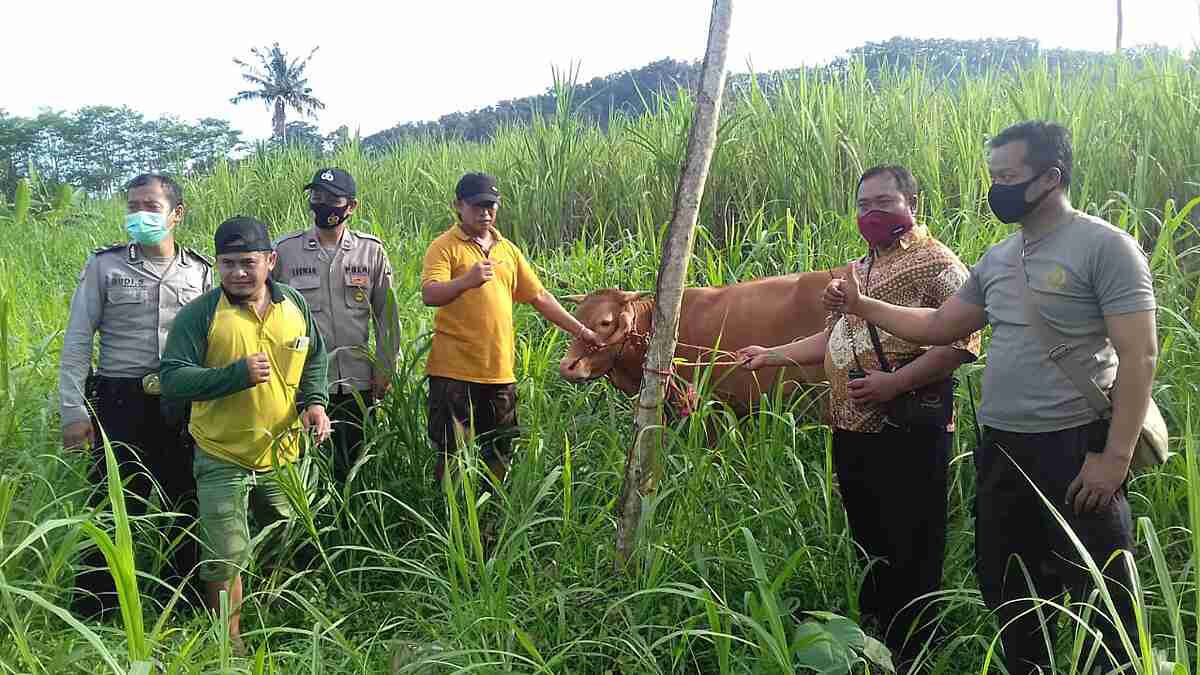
918 271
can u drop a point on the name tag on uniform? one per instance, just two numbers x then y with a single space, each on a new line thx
360 280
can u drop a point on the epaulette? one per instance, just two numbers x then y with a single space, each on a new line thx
199 256
110 247
368 236
285 237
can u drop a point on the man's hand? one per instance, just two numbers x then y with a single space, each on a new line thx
1099 479
589 336
315 420
79 435
480 274
754 357
841 295
381 382
259 367
877 387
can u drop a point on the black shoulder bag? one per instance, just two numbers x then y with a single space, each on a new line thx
931 405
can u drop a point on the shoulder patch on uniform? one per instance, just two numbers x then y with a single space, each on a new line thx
284 237
199 256
110 247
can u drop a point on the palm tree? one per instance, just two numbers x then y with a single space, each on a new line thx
279 84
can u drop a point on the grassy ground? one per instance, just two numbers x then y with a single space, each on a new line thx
739 559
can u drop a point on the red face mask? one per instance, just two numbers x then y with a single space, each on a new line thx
882 228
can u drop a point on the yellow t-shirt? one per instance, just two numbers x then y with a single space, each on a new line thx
250 425
473 334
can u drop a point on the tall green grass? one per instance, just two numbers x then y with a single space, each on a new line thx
740 559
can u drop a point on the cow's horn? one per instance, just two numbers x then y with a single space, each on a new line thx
573 298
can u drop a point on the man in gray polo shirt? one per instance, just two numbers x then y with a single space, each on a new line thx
1093 285
346 279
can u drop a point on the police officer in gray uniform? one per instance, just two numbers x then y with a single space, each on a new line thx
346 280
130 294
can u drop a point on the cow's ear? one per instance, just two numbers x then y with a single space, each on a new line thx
625 321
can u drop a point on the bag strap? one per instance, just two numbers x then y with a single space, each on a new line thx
1058 350
875 343
883 362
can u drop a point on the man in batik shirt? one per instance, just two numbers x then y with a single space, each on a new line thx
892 475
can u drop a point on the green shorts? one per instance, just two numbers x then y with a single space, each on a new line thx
226 492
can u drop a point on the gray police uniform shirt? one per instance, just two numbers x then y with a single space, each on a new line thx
132 305
1083 271
346 291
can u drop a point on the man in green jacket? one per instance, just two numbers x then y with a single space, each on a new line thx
243 354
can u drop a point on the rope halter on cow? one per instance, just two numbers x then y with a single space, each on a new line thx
630 334
682 397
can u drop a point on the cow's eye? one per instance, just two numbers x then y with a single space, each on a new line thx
606 323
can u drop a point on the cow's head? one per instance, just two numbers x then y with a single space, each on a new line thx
612 315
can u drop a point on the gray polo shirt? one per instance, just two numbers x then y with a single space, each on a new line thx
132 304
347 290
1083 271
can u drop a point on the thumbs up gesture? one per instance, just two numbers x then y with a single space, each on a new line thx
841 294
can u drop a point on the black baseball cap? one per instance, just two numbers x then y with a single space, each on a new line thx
241 234
475 188
336 181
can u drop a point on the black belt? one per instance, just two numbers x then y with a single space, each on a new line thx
149 384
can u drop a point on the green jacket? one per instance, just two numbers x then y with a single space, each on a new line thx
204 365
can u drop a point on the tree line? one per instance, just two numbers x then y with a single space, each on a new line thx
97 148
636 92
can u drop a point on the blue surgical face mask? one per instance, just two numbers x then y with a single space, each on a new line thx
146 227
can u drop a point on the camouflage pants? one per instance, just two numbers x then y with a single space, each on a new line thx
489 410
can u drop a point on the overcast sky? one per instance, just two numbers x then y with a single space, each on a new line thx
381 63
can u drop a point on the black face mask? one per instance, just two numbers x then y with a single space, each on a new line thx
328 217
1008 201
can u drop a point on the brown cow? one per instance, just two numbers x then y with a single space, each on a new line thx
769 311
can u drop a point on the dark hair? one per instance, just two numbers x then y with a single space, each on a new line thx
1047 145
906 182
168 185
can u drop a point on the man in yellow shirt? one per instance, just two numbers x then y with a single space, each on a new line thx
243 354
472 274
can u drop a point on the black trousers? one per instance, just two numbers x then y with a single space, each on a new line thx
347 437
893 487
1014 524
146 446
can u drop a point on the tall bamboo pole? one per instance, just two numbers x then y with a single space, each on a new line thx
1120 24
672 275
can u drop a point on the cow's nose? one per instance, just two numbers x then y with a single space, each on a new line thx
569 368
